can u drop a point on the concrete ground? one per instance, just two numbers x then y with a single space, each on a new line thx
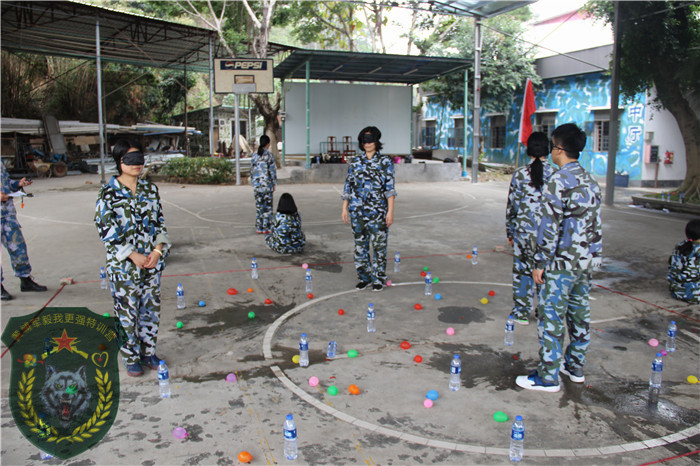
606 420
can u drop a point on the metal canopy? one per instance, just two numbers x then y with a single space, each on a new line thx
67 28
366 67
482 8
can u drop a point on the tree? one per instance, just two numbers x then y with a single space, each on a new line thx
660 48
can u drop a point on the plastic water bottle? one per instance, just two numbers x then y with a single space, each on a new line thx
657 368
681 198
371 322
303 351
517 436
163 380
428 284
254 269
290 438
455 373
180 296
332 349
397 262
103 279
309 281
44 456
475 256
671 337
510 331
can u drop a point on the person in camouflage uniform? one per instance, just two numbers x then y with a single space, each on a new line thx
129 220
569 247
263 177
684 266
12 237
286 236
523 219
368 202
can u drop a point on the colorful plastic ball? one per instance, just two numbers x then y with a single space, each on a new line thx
354 389
341 312
232 291
231 377
428 403
295 359
418 307
436 280
251 315
423 274
500 416
425 269
450 331
389 283
469 256
432 395
310 296
664 353
250 290
332 390
438 296
313 381
304 266
105 315
484 301
179 433
245 457
492 293
268 301
352 353
653 342
692 379
179 325
201 303
405 345
418 359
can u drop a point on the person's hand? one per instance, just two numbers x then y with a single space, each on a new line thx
344 215
152 259
4 197
25 182
538 275
389 219
510 242
139 260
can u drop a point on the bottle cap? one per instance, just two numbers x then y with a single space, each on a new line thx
673 322
518 418
289 417
659 355
371 304
162 362
456 356
303 335
179 284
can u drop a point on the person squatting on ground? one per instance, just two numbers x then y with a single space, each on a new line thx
263 177
569 247
286 236
523 219
368 203
684 266
129 220
12 237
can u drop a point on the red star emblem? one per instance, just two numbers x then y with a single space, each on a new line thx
64 342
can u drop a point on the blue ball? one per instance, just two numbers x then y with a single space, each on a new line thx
438 296
202 304
432 395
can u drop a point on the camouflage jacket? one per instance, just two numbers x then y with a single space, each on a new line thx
684 274
524 205
9 186
369 183
285 235
128 222
263 173
570 233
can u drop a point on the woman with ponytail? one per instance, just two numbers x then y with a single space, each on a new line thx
263 177
523 219
684 266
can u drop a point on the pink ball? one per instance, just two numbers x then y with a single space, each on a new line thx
304 265
313 381
388 283
179 433
450 331
663 352
653 342
231 377
428 403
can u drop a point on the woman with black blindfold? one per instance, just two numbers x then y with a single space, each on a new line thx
130 222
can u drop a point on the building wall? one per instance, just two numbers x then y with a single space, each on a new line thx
667 136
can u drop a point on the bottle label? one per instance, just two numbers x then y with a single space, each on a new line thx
303 346
455 369
510 327
657 366
163 375
517 434
370 314
672 333
180 293
290 434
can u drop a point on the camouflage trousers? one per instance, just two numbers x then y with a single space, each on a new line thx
13 240
523 284
368 231
563 300
263 210
137 305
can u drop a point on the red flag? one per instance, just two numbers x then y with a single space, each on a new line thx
529 108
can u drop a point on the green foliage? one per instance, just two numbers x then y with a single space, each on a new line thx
328 24
199 170
22 88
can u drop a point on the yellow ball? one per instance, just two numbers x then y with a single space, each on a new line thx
692 379
295 359
483 300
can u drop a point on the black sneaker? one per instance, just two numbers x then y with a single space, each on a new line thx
377 287
5 295
151 361
27 284
576 375
362 285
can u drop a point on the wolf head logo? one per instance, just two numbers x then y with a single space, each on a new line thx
65 394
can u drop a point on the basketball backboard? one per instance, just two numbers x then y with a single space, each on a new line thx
243 76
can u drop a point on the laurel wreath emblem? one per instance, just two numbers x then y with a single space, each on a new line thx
84 431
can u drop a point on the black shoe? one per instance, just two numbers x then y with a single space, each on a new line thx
362 285
5 295
27 284
151 361
377 287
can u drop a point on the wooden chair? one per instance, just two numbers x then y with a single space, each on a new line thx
348 150
333 148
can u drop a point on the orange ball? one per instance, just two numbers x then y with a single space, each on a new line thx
341 312
492 293
268 301
423 273
469 256
353 389
250 290
310 296
245 457
418 307
232 291
405 345
418 359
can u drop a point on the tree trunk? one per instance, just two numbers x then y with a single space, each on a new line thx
269 113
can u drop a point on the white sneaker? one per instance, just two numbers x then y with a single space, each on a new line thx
534 382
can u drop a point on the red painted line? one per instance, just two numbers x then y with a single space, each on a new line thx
33 319
647 302
671 458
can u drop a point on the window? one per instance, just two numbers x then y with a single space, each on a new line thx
428 136
455 138
497 131
545 122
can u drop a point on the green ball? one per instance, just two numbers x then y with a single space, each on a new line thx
425 269
500 416
179 324
352 353
436 280
332 390
251 315
106 315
